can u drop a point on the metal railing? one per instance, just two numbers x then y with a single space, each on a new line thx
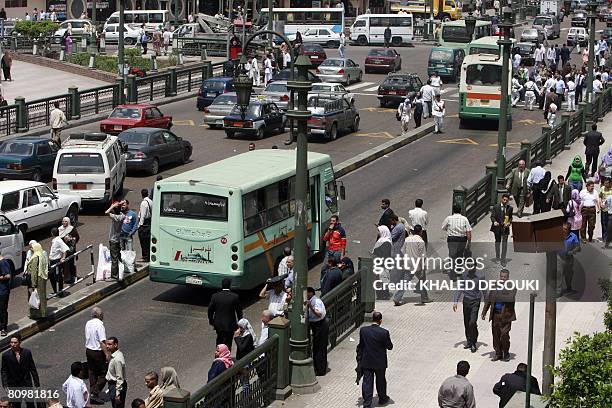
37 112
55 269
248 383
97 100
8 120
152 87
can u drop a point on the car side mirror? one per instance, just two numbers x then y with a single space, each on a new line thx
342 191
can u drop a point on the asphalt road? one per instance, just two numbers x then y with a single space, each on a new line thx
160 324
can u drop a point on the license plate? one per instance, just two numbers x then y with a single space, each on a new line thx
118 127
484 101
376 62
210 94
440 65
313 57
79 186
193 280
392 92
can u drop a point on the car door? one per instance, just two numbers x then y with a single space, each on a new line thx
175 148
11 242
46 157
111 33
33 211
160 120
276 115
51 203
158 148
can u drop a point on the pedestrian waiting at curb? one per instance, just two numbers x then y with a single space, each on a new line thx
144 224
57 254
57 120
156 397
320 331
36 275
70 235
96 353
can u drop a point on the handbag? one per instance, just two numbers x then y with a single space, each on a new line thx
26 280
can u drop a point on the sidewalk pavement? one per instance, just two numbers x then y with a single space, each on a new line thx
36 82
428 340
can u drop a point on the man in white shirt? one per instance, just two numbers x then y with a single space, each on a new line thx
276 296
436 83
290 273
320 331
414 250
459 236
266 316
144 224
167 36
590 207
286 59
57 253
267 70
117 384
427 91
535 175
597 86
418 216
95 351
439 109
75 389
57 120
570 96
516 90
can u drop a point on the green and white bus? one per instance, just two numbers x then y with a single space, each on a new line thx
233 218
453 34
485 45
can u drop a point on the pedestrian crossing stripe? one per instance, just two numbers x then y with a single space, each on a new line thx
359 85
463 141
187 122
374 88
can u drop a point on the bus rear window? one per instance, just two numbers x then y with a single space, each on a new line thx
194 205
483 74
84 163
455 34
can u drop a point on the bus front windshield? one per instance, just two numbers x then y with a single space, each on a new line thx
457 34
483 74
484 50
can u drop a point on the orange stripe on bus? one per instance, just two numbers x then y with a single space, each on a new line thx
494 97
267 245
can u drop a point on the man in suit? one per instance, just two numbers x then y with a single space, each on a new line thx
501 303
374 341
224 311
517 186
385 218
513 382
560 194
18 368
501 218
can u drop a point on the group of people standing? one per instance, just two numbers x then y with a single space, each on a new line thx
426 103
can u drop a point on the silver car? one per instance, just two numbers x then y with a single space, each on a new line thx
549 25
343 70
221 106
532 35
278 93
333 88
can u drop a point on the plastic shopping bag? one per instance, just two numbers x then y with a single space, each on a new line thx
128 258
104 263
34 300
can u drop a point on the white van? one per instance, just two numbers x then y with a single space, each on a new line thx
152 19
11 244
91 166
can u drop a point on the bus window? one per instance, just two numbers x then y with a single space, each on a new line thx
157 18
359 23
480 74
455 34
331 197
193 205
253 207
129 18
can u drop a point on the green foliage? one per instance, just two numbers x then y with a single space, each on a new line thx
584 373
606 287
36 29
109 64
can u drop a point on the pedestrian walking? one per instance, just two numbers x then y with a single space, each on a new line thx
116 374
69 234
169 379
224 311
539 55
436 83
512 382
580 81
570 95
57 120
517 186
382 250
267 69
592 140
571 246
552 115
320 331
18 368
117 216
536 174
427 92
167 37
144 224
604 191
532 92
342 44
255 71
286 59
157 41
143 39
96 353
155 399
565 55
37 272
77 395
501 219
385 217
576 174
573 212
501 315
418 109
335 238
439 110
223 361
7 63
274 291
516 90
561 194
332 276
245 339
266 317
5 291
459 236
404 113
590 207
418 216
546 189
57 254
457 391
414 250
387 36
374 341
471 298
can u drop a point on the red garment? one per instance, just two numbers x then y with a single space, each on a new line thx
336 239
224 355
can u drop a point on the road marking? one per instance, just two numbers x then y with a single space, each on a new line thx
455 95
359 85
374 88
456 115
511 144
445 90
383 135
464 141
373 109
527 121
187 122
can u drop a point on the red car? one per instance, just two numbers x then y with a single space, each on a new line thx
130 116
315 52
383 59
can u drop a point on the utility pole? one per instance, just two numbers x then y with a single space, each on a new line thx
120 46
270 26
592 7
550 323
504 112
93 11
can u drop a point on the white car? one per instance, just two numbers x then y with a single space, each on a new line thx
130 34
11 244
32 205
577 35
79 27
323 36
332 88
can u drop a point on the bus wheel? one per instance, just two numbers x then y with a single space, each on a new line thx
462 123
446 17
362 40
396 41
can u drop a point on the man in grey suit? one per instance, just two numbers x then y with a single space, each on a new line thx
559 194
517 186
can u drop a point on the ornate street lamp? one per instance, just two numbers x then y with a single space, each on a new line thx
592 9
470 23
244 87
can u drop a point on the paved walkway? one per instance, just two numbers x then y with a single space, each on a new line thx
428 340
36 82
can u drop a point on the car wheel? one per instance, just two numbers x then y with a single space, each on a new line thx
260 133
186 156
360 77
330 44
37 175
383 103
367 71
462 123
333 132
73 214
154 167
129 41
355 126
169 125
24 229
362 40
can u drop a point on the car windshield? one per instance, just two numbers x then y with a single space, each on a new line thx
225 99
16 148
88 163
483 74
380 53
321 87
398 80
530 31
132 138
333 63
214 85
441 55
542 21
252 111
313 47
276 87
126 113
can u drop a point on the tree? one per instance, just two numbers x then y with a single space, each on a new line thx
36 29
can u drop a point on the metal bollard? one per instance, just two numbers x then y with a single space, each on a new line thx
34 48
203 54
179 58
153 63
63 54
92 61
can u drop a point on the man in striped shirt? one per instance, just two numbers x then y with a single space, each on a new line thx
459 236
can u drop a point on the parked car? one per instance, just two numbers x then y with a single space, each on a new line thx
79 27
602 13
130 34
549 25
333 88
446 62
577 35
218 109
332 115
319 35
125 117
11 244
525 50
532 35
579 19
579 4
315 52
343 70
27 158
383 59
148 148
396 87
285 75
213 87
261 117
278 93
32 205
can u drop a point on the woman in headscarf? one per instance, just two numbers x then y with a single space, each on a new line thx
169 379
605 167
576 174
347 267
223 361
546 192
382 249
38 269
7 63
245 338
70 235
573 211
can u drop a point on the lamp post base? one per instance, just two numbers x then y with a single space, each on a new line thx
303 379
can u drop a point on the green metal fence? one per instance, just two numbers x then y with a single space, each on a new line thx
477 199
